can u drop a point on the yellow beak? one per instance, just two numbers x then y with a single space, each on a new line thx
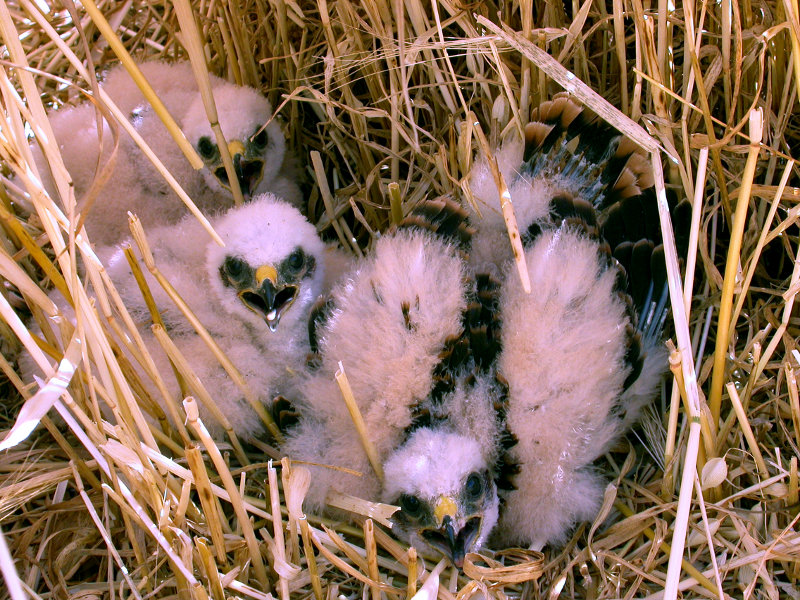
445 506
266 272
236 147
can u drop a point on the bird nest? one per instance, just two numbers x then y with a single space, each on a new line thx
385 104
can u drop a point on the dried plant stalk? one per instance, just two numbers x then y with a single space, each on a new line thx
230 487
358 421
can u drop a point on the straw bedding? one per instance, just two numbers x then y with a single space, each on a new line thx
385 104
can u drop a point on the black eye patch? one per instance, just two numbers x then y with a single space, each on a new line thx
473 488
235 272
296 260
298 265
207 149
411 505
260 139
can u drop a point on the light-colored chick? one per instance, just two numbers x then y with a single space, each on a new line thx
133 184
390 324
581 353
253 296
510 396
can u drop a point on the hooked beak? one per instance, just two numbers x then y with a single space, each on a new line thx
451 538
248 172
266 299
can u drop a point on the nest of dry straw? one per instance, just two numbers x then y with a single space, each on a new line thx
384 104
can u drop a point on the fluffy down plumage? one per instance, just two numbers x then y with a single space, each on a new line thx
388 319
391 323
489 417
253 295
132 183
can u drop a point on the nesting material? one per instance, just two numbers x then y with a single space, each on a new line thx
381 104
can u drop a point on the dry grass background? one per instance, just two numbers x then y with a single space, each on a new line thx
384 103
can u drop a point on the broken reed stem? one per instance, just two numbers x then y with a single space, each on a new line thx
507 207
277 528
668 481
190 406
358 421
395 203
294 490
311 560
210 568
747 432
708 450
732 265
372 558
208 501
412 573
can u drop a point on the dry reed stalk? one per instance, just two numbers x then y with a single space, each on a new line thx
747 431
235 498
731 265
277 529
372 558
507 208
190 38
358 422
295 486
125 58
172 406
208 501
412 573
689 382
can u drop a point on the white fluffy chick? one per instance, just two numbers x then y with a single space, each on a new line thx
253 295
493 427
133 184
581 354
397 317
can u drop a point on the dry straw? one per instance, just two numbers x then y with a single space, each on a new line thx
385 104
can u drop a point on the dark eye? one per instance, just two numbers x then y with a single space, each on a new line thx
474 486
295 260
235 269
260 139
410 505
206 148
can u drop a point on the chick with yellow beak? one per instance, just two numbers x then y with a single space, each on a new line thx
254 140
248 161
447 497
267 291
